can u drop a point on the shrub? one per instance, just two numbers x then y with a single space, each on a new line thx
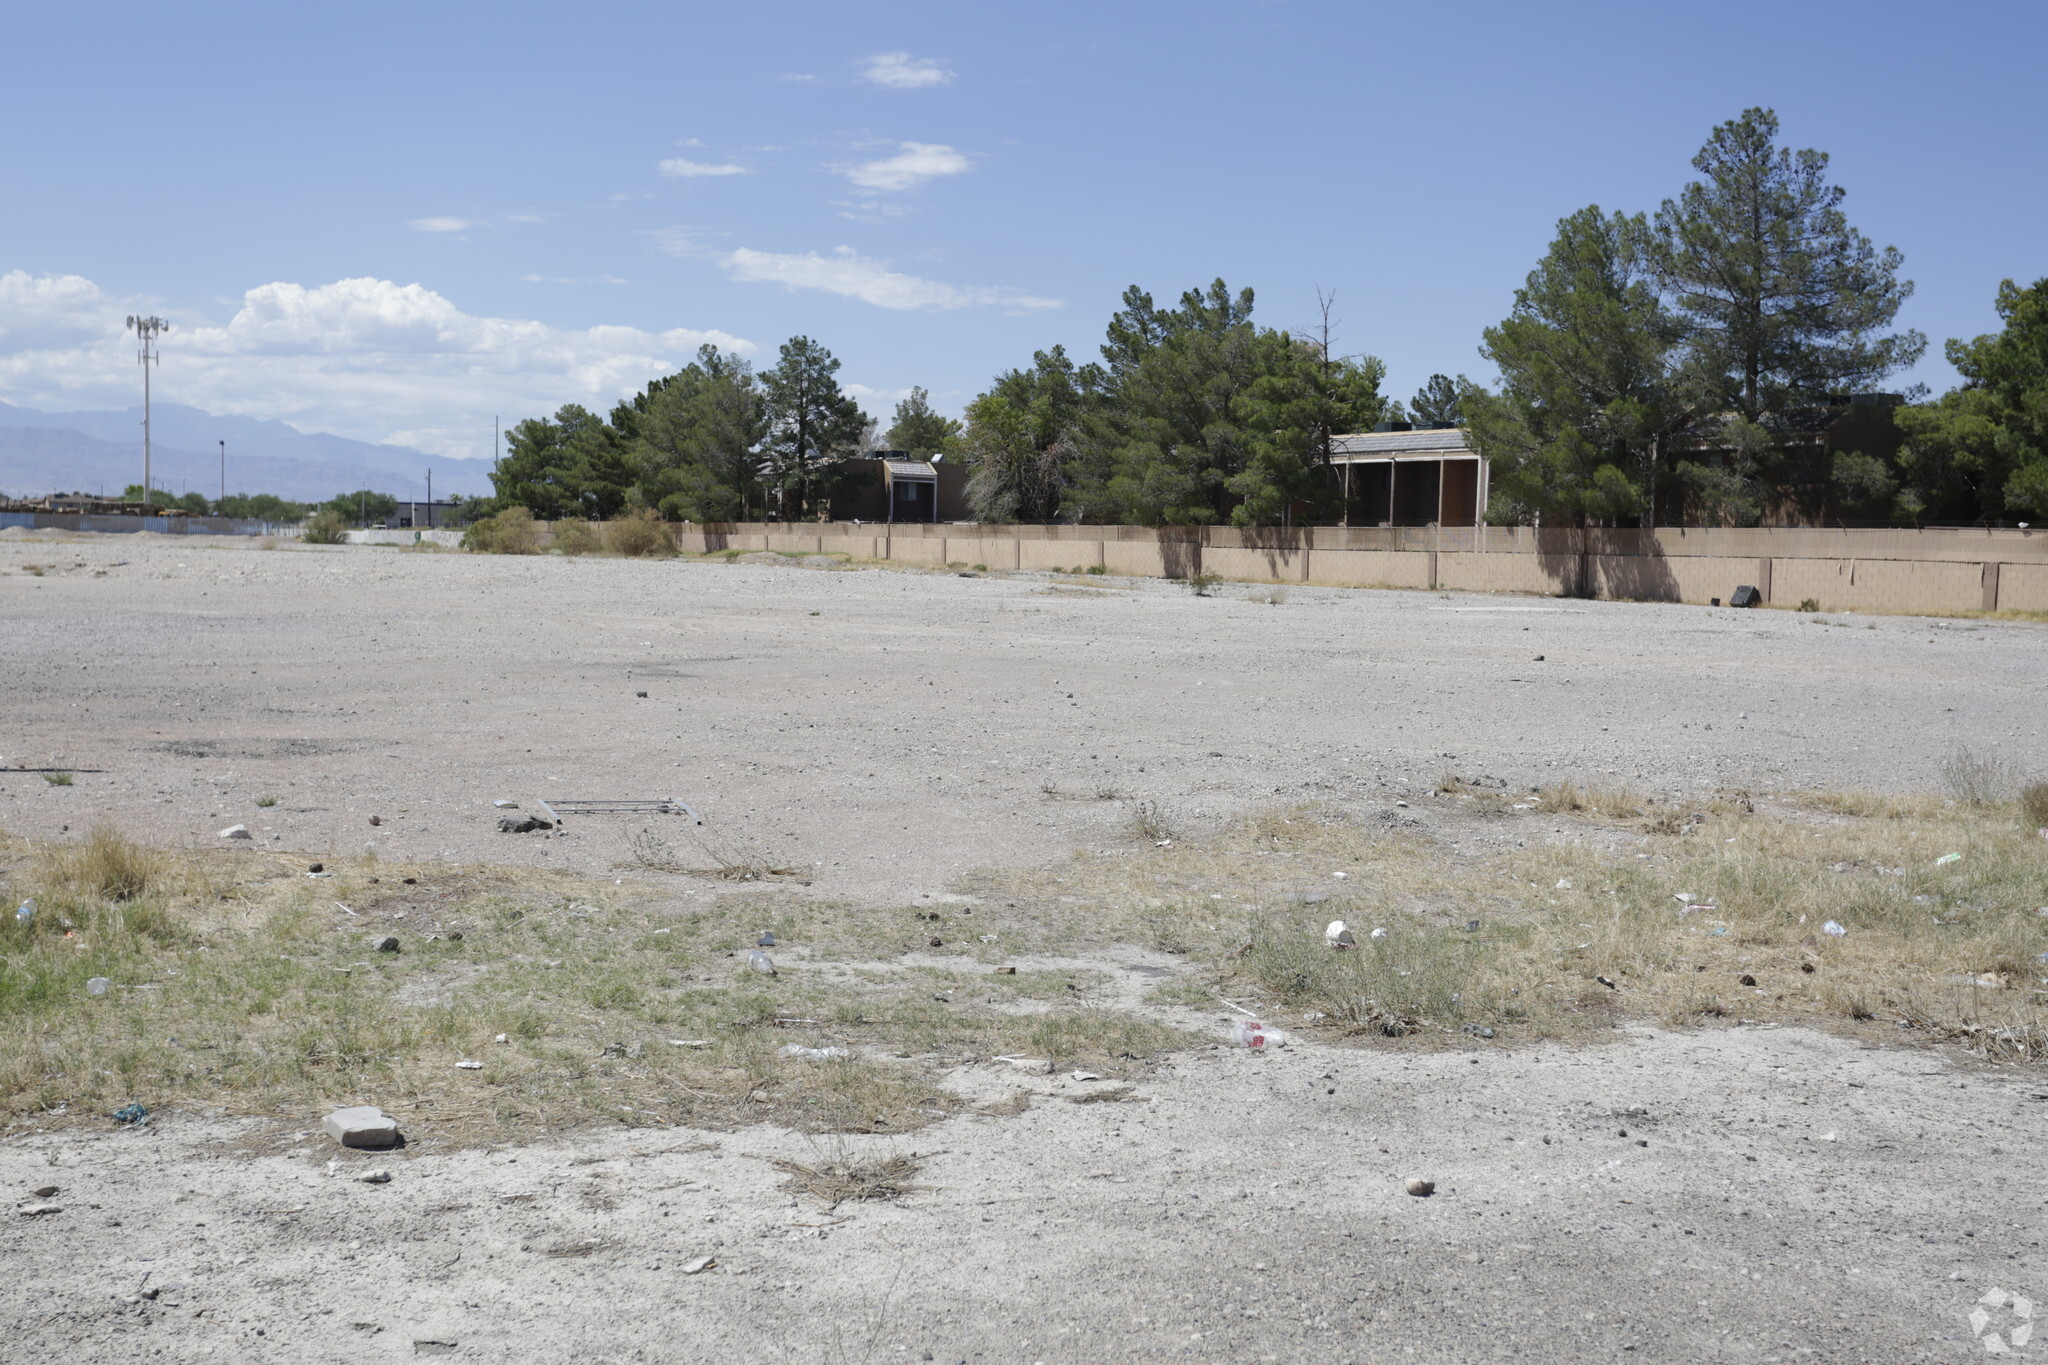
1098 568
572 537
643 535
510 532
1201 583
1975 779
2034 804
326 527
1809 604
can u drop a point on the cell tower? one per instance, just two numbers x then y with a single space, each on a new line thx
147 330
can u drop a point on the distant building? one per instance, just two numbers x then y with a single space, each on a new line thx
1396 475
424 515
892 486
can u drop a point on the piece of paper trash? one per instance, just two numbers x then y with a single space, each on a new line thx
1945 859
1564 883
1833 928
469 1066
699 1265
1685 898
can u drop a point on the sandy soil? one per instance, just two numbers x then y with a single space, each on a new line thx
1800 1197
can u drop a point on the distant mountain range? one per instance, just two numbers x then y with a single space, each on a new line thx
101 452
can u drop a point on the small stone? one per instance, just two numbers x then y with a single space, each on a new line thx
639 694
1421 1189
767 940
1006 971
363 1125
236 832
1038 1066
376 819
506 805
938 943
387 944
380 1176
1746 979
44 1191
502 1038
317 867
700 1264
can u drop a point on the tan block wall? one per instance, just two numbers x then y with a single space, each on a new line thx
1548 575
2023 587
1142 558
997 552
1878 584
792 543
1057 554
1680 578
1257 566
1369 569
860 547
916 549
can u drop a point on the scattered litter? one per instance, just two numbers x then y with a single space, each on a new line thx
26 911
502 1038
469 1066
1012 971
699 1265
1037 1066
1564 884
761 962
1338 935
988 938
1945 859
1479 1030
1685 898
1421 1189
506 805
1340 876
380 1176
689 1042
767 940
97 986
236 832
816 1054
362 1125
316 873
1608 984
38 1210
1255 1035
1379 933
512 824
1833 929
557 807
134 1115
1471 926
345 910
1083 1076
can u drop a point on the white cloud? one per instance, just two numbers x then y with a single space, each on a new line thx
797 78
367 358
913 164
858 277
901 71
443 224
687 170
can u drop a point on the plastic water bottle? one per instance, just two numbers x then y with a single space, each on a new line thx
761 962
1255 1035
26 911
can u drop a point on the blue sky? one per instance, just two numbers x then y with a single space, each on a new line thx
398 221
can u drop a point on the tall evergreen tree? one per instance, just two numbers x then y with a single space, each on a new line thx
920 430
570 466
1440 400
1981 452
811 423
695 439
1592 379
1788 304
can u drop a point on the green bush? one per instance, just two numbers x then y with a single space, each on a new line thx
325 527
571 537
510 532
642 535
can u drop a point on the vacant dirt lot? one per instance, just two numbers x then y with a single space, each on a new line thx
1726 1193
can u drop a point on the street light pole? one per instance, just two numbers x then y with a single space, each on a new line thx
146 332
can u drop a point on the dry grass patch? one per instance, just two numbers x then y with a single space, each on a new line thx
848 1179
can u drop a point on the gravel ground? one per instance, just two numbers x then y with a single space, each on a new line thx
887 730
1801 1197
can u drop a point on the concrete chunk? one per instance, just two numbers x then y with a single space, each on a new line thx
364 1125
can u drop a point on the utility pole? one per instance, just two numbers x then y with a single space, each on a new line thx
430 499
223 473
146 332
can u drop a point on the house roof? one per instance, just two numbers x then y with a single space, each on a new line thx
1400 445
914 471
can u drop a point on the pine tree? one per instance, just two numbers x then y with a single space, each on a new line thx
920 430
810 423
